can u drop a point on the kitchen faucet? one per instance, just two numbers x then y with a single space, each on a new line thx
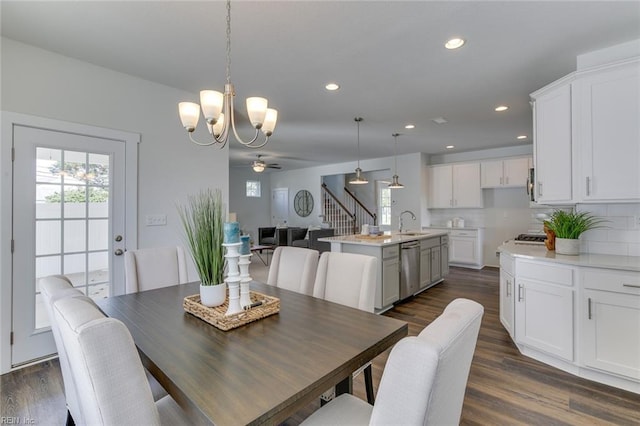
413 216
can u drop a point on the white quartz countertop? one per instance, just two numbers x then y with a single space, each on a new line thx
451 228
540 252
391 238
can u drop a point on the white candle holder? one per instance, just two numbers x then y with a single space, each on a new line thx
245 280
233 277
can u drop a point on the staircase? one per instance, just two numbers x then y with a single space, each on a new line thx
345 216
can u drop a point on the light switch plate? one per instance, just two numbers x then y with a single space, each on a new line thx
156 219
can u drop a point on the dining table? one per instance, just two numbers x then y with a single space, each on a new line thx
261 372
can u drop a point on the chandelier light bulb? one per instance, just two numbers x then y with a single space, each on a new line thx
211 103
189 115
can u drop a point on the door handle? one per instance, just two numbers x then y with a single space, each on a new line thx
118 252
519 292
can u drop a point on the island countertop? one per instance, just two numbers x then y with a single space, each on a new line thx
387 239
539 252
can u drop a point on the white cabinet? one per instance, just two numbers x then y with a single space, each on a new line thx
436 273
506 173
425 267
552 143
544 308
454 186
444 255
610 321
607 132
465 247
507 286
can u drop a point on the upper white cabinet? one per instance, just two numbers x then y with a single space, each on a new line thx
509 172
607 132
552 143
587 136
454 186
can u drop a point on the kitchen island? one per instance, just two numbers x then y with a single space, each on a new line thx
408 262
577 313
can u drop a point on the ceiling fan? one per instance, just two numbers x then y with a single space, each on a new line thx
259 165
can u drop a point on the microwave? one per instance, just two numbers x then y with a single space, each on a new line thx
531 179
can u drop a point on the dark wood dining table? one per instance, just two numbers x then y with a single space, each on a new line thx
262 372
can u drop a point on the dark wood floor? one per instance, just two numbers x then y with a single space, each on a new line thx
504 388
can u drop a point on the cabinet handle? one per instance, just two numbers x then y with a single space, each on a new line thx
630 285
506 180
527 186
520 293
589 307
508 288
588 186
539 189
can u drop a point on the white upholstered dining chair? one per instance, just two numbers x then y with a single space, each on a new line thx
293 268
425 377
107 373
54 288
150 268
349 279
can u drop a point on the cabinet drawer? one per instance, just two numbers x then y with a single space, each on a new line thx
390 251
507 264
611 280
464 233
545 272
429 243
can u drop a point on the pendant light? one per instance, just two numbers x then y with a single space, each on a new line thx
358 180
394 181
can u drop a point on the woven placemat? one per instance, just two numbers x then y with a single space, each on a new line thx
216 315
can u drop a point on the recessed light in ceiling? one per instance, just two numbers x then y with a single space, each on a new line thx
454 43
332 86
522 137
501 108
439 120
410 126
450 146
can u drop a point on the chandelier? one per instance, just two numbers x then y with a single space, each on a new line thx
217 109
358 180
394 181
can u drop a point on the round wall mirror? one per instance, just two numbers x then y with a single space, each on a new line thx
303 203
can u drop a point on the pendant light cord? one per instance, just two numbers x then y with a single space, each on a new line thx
358 120
228 41
395 153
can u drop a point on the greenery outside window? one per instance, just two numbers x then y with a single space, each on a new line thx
253 188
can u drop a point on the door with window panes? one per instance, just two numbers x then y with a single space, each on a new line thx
69 218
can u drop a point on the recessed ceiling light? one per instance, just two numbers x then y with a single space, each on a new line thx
522 137
439 120
454 43
501 108
410 126
332 86
450 146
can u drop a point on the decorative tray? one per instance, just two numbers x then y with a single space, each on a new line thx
216 315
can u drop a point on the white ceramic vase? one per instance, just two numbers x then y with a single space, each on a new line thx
567 246
213 295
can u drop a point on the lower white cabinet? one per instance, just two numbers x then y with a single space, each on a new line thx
610 322
544 308
430 264
444 255
436 272
507 299
465 247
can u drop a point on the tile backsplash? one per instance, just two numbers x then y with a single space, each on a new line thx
620 234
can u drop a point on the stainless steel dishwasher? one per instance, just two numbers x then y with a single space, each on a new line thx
410 268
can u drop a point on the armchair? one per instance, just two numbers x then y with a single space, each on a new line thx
272 236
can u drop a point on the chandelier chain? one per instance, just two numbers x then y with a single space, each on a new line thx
228 41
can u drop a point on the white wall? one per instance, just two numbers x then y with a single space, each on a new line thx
252 213
41 83
412 197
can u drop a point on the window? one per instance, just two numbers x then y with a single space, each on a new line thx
384 205
253 188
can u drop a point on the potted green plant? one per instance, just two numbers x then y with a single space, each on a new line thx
568 226
202 219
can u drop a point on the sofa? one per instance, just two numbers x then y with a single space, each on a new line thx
272 236
297 237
